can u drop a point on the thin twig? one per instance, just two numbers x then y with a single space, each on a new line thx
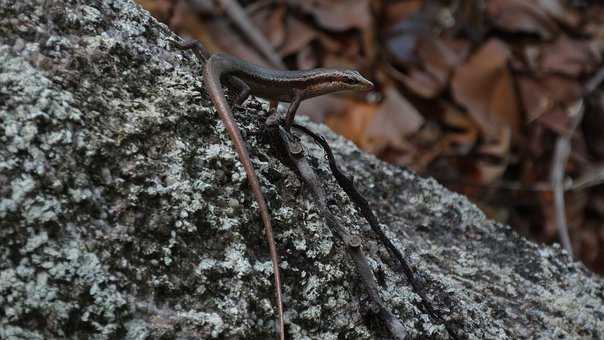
240 18
561 153
254 7
363 206
595 81
353 243
592 177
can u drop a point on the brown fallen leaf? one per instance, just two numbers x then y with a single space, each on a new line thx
499 147
485 87
534 150
352 121
571 57
521 16
226 39
420 82
319 108
545 100
347 57
563 89
555 119
397 11
429 145
402 30
340 15
437 58
271 22
187 24
469 19
395 119
306 58
160 9
557 10
461 132
493 156
535 99
299 35
489 172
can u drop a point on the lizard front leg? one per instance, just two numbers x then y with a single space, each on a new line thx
293 107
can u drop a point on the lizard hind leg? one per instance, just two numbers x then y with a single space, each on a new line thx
242 87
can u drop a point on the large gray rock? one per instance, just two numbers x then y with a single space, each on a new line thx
124 212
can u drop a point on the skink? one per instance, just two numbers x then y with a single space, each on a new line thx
275 85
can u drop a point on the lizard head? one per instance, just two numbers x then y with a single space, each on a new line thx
328 80
353 80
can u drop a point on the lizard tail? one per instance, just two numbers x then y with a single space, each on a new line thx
213 71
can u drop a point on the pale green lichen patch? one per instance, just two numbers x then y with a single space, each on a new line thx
37 287
212 321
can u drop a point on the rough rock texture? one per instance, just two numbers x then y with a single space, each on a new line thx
124 212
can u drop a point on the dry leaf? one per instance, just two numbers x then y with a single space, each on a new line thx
555 119
567 56
231 42
397 11
485 87
557 10
562 89
439 57
271 22
352 121
470 19
461 133
341 15
395 119
318 108
521 16
492 165
401 47
545 100
429 145
422 83
535 99
497 148
306 59
299 35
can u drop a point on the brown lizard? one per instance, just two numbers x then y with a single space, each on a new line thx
275 85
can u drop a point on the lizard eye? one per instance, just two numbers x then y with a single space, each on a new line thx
351 80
